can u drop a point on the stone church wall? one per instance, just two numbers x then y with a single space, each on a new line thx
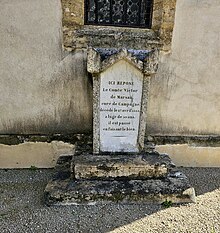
45 89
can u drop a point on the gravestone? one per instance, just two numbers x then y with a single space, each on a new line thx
118 167
121 82
120 107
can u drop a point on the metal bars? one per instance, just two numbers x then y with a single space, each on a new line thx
125 13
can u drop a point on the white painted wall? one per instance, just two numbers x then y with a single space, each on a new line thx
185 95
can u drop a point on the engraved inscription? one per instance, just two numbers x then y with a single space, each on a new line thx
120 106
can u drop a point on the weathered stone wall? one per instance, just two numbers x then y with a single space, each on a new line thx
46 90
73 18
184 98
78 35
167 23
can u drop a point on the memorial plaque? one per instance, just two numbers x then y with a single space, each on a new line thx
120 107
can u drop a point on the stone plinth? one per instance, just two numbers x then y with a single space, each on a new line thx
65 189
125 191
143 166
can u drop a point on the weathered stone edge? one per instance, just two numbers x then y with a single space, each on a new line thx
66 192
60 190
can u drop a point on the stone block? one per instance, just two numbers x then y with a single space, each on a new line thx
64 189
143 166
67 192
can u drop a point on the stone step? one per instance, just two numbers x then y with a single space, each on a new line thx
66 192
142 166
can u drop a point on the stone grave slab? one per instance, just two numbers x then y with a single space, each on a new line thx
120 106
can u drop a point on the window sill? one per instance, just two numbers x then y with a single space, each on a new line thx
116 37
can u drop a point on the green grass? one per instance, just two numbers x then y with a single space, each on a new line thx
33 168
167 204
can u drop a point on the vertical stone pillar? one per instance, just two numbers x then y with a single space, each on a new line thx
120 92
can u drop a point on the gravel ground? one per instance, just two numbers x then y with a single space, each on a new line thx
22 208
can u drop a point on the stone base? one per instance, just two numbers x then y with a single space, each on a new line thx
65 189
121 166
66 192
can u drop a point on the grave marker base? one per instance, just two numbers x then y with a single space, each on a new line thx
69 188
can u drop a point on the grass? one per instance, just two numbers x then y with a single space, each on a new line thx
167 204
33 168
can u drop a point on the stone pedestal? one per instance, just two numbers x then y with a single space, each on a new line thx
148 178
118 167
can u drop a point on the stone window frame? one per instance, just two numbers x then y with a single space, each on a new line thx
140 22
163 17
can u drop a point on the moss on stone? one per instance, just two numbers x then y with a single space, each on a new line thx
10 140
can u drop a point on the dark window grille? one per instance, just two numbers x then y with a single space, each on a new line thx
127 13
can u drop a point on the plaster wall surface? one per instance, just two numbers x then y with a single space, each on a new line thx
184 95
46 91
191 156
36 154
43 90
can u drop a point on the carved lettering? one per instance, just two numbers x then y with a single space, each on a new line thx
129 104
120 107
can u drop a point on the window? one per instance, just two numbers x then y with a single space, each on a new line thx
127 13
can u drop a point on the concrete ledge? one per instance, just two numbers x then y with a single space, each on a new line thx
37 154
